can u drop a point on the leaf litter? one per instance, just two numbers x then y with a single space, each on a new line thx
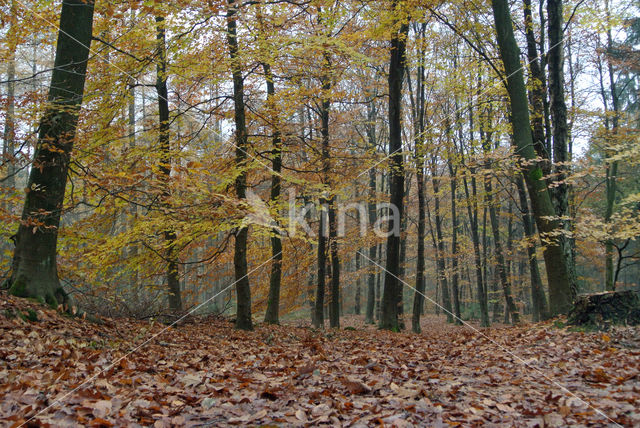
64 371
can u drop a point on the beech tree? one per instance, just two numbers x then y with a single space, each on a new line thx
389 304
556 262
34 271
243 291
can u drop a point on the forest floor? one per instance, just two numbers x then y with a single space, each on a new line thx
62 371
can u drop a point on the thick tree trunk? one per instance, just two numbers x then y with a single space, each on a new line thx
34 272
397 62
273 301
556 262
243 291
173 279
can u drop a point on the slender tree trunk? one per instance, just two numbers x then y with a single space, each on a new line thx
537 92
418 298
500 261
371 276
357 304
173 279
379 285
454 247
612 166
8 136
560 292
440 262
538 298
324 232
560 193
418 113
397 63
273 302
403 257
334 309
34 272
243 291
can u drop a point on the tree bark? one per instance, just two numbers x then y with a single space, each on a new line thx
440 261
454 247
334 308
472 212
500 265
371 276
34 272
560 130
537 92
560 292
538 298
418 113
397 63
173 279
243 291
612 166
271 316
9 134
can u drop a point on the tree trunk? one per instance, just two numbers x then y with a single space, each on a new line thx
173 279
34 272
560 292
454 247
334 308
326 204
612 166
418 298
440 262
560 193
9 134
371 276
418 113
403 257
357 306
379 285
537 92
538 298
500 265
397 62
271 316
243 291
